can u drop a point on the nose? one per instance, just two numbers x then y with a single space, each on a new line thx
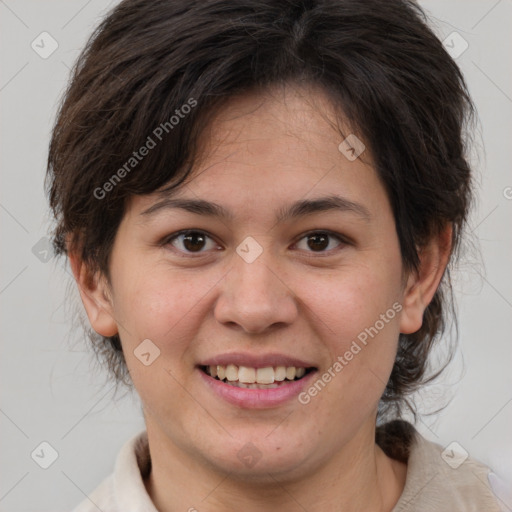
255 296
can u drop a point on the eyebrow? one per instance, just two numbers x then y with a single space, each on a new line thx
297 209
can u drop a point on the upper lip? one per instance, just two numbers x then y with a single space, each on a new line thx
255 361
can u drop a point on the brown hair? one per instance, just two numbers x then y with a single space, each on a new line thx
379 62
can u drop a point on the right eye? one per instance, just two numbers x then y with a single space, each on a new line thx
189 241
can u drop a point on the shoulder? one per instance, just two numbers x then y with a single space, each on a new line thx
101 498
438 478
124 489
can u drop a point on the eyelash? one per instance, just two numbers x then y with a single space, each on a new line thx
169 239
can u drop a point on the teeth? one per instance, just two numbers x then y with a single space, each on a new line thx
265 375
231 372
291 371
280 373
246 375
251 377
253 386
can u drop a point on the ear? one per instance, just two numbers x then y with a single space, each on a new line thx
95 297
422 285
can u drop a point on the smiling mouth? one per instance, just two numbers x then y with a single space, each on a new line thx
256 378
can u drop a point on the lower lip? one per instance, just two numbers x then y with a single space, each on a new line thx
257 398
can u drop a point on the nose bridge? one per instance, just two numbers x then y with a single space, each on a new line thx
254 297
254 276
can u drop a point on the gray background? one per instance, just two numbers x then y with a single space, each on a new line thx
51 388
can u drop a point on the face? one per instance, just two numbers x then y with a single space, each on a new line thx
302 275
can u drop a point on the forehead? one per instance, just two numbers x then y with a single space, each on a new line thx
283 125
275 147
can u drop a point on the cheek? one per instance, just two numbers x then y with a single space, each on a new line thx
356 315
163 306
160 304
346 304
362 351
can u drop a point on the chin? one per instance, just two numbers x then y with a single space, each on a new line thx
257 459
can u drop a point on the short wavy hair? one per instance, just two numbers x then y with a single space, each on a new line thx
385 71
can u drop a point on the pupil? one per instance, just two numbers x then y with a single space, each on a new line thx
190 241
324 241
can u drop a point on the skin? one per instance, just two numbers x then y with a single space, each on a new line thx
265 151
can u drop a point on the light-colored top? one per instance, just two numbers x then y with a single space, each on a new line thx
435 482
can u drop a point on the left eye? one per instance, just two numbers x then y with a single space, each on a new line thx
194 241
319 240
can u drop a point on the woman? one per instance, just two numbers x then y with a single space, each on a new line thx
260 202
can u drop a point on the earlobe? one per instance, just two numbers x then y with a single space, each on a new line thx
95 297
422 285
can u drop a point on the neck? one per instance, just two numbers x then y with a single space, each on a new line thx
360 477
